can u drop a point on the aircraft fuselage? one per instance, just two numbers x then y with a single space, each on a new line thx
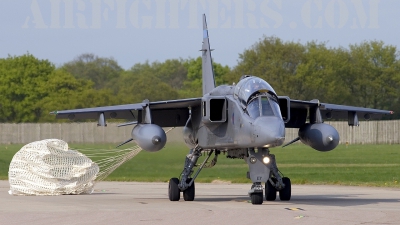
225 121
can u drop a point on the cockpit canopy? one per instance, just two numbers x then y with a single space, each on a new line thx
249 86
263 105
257 97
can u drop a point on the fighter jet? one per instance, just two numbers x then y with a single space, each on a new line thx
243 121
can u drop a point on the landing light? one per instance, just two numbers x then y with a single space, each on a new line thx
266 160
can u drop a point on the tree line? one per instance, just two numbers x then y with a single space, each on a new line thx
365 74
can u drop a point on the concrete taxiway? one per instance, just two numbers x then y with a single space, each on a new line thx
147 203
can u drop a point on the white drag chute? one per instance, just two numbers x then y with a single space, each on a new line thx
48 167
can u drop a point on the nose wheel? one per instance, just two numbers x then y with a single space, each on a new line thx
256 194
257 198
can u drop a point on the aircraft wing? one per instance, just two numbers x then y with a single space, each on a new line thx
170 113
299 111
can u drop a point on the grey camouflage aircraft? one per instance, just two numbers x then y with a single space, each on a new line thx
243 120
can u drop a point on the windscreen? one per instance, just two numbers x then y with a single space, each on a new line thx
253 108
264 105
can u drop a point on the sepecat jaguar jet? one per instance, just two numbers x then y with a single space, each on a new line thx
244 121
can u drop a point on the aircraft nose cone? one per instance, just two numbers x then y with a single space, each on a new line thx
269 131
280 140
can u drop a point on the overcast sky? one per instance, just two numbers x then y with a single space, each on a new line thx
135 31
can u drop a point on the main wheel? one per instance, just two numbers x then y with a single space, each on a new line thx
257 198
270 191
174 193
286 193
188 194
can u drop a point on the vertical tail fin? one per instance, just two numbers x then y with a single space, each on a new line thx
208 72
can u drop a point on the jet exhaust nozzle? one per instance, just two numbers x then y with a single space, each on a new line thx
149 137
319 136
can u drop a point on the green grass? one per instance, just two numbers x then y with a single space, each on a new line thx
364 165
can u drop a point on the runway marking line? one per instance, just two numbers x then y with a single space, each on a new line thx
295 209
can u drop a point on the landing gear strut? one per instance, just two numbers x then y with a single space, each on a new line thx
186 183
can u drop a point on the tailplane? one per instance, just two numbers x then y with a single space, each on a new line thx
208 72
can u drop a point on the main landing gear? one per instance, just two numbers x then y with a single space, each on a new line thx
284 193
186 183
263 169
174 192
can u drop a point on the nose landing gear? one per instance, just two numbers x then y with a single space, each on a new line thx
266 171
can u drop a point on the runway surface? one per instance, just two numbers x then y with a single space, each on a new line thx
147 203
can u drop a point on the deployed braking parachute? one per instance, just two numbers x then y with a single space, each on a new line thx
49 167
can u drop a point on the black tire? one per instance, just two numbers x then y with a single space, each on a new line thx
174 193
286 193
188 194
270 191
257 198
